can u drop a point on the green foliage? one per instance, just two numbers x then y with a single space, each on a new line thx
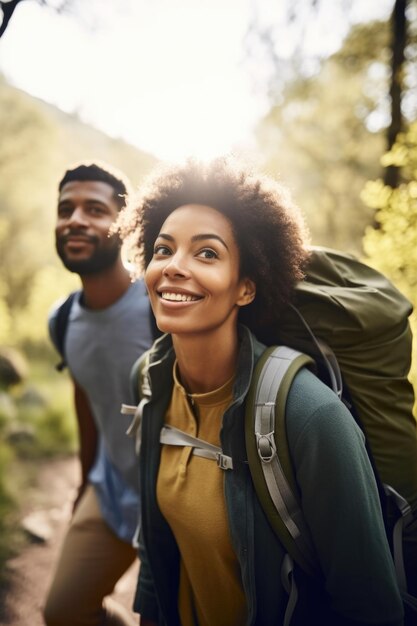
391 246
317 138
7 502
356 53
49 284
42 422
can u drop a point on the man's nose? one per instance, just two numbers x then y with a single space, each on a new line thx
78 218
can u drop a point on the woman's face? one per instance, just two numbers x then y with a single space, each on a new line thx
193 277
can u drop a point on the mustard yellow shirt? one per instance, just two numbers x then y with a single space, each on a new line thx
190 495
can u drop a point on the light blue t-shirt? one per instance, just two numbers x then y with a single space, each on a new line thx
100 349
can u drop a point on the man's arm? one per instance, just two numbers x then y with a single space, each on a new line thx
88 437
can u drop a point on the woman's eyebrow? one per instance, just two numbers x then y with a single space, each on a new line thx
209 236
201 237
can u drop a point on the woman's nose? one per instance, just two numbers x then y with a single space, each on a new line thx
175 267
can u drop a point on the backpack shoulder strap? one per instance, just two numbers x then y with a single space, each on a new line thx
139 383
139 380
268 453
61 325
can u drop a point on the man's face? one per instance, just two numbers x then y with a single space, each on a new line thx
86 210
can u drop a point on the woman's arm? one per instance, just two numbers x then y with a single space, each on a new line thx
341 506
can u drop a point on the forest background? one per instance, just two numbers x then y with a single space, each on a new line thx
340 130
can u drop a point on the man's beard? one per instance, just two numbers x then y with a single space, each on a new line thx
102 257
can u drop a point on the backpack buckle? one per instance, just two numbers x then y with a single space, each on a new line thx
266 446
223 461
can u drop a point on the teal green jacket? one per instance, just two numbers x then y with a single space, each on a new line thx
339 500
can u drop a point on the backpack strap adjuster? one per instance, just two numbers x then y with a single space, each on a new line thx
266 446
224 462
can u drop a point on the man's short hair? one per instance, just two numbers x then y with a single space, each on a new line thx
101 173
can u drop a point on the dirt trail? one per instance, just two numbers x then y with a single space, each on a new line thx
46 514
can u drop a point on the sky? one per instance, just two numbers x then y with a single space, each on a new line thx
169 76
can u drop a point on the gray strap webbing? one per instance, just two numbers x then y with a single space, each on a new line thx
327 355
409 601
273 372
289 584
134 429
397 535
175 437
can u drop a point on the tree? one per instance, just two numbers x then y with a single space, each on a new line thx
392 245
398 45
8 7
318 140
382 57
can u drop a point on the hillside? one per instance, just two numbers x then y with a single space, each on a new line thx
77 140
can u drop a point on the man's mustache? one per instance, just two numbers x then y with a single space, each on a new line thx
77 233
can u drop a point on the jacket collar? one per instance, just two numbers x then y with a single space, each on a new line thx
162 357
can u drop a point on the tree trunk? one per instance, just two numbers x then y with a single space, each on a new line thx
398 43
8 10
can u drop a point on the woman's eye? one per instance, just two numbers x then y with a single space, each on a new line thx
162 250
208 253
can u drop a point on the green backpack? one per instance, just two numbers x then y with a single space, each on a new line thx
350 325
359 314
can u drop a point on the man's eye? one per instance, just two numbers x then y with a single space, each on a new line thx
208 253
64 212
162 250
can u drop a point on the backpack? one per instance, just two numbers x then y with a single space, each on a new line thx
350 325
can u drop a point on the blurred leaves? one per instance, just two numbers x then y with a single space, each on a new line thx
327 126
392 244
318 139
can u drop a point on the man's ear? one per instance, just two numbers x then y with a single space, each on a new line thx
247 292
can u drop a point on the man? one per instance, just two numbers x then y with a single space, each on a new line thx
109 326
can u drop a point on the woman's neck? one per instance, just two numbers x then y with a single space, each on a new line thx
206 363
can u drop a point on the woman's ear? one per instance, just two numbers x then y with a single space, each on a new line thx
247 292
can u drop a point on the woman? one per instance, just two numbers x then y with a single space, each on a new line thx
222 251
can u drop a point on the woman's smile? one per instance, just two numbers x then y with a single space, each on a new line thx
173 295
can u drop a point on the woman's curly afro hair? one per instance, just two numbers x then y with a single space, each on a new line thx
268 227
